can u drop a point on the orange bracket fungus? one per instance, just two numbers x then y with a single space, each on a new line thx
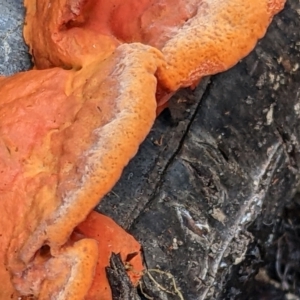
103 69
196 37
65 138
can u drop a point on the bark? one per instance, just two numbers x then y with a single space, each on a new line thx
119 281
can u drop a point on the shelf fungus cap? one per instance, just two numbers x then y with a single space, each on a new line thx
197 37
66 136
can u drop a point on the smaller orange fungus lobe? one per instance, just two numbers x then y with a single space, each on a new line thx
111 239
196 37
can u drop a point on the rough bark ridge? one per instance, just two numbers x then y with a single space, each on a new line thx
120 283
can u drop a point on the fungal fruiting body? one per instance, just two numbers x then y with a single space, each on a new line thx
65 138
103 69
196 37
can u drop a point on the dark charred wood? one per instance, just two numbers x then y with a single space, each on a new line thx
120 284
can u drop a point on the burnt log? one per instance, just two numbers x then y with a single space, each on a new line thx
120 283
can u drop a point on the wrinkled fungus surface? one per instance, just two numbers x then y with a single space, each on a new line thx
103 69
196 37
65 138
